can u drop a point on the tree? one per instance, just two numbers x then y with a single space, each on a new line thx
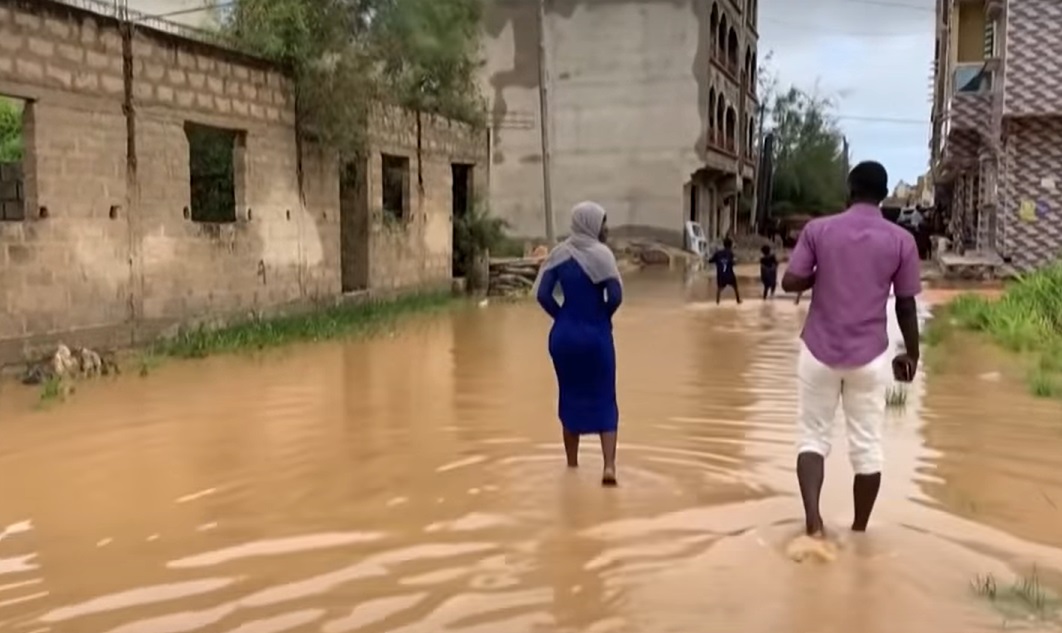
348 54
10 131
809 162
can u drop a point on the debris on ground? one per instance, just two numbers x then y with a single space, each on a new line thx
513 277
64 363
643 253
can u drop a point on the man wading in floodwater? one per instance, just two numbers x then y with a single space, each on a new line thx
849 262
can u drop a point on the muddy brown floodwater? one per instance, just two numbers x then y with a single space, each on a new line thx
414 484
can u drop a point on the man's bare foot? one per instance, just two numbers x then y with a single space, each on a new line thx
812 547
608 478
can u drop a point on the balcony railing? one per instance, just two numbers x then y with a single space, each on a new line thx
719 141
971 78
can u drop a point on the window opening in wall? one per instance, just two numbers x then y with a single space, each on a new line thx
14 114
395 188
215 161
732 48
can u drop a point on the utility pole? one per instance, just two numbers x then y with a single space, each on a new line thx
759 190
846 161
543 100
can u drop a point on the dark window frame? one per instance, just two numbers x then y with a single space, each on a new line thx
216 170
394 186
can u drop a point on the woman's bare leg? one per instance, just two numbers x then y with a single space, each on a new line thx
608 452
571 448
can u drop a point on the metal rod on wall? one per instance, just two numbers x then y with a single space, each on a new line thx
543 98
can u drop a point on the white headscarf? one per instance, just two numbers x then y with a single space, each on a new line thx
584 246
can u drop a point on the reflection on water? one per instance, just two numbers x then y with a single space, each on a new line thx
414 484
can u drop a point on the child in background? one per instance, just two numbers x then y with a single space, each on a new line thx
725 275
768 272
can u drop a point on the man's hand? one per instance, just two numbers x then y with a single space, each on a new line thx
904 367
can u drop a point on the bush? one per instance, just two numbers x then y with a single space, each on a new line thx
1027 318
478 232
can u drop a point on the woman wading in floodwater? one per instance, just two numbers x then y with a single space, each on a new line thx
580 340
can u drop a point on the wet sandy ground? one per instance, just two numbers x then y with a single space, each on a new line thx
414 484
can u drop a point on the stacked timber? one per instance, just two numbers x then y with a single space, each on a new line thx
513 277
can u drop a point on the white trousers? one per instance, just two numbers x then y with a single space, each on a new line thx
861 392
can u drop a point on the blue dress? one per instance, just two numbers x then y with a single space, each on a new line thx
580 343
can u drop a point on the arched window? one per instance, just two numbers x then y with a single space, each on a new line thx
731 125
720 117
713 25
724 28
754 73
732 48
752 136
747 68
711 112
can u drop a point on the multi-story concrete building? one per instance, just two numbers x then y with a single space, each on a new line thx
997 129
653 112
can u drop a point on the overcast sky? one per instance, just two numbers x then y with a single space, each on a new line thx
875 56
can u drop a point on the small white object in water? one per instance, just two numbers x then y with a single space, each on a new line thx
484 303
992 376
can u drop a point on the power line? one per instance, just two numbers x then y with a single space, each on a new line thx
817 29
206 7
881 119
894 5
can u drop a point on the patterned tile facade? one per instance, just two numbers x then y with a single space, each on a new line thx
1025 128
1033 57
1032 158
971 111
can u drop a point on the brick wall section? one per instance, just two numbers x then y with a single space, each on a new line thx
116 260
417 252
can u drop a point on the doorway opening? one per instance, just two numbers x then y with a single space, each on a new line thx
462 208
695 215
354 224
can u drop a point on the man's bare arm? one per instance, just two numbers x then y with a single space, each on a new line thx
907 317
800 272
794 283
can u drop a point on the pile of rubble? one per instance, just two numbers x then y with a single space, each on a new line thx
513 277
516 277
65 363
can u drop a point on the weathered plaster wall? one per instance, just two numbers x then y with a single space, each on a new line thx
629 97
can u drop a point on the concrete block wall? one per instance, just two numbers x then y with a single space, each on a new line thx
106 254
417 250
70 269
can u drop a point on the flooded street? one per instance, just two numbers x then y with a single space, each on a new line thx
416 484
